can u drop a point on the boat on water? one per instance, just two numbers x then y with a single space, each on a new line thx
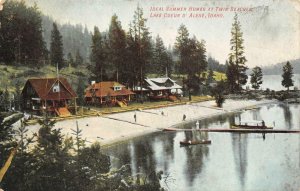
187 143
250 125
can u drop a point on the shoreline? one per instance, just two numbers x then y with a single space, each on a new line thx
116 128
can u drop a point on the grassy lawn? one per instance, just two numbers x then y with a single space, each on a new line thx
145 105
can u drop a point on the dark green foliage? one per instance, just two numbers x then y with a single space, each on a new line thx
97 56
117 49
256 77
162 59
287 76
218 93
17 96
56 48
80 90
70 60
192 58
237 57
139 48
231 72
215 65
210 76
21 39
78 59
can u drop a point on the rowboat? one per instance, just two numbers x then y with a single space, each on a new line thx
186 143
250 125
235 126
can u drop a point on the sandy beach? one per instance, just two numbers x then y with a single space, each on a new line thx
113 128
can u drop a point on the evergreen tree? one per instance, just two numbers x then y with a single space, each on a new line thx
140 45
162 60
70 59
97 55
21 39
192 59
117 49
210 76
231 71
287 76
80 90
56 48
78 59
218 93
256 77
18 96
182 48
237 53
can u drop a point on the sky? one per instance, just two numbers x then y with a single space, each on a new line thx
271 28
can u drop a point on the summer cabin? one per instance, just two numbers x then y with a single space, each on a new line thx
54 96
161 88
108 93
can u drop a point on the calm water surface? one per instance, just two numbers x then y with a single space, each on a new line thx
273 82
231 162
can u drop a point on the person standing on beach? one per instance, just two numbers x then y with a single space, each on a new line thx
184 117
134 116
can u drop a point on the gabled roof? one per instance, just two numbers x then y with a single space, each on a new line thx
162 84
43 88
103 89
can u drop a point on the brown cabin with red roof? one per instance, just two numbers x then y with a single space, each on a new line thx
108 93
52 95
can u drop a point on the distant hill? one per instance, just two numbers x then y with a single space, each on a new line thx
277 68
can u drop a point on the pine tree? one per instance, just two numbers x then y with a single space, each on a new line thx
210 76
256 77
162 60
182 48
21 39
287 76
117 49
237 53
142 45
97 55
56 48
78 59
192 59
231 71
70 59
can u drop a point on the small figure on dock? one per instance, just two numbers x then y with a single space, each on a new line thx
184 117
134 116
263 123
197 125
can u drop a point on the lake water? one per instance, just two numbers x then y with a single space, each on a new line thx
273 82
231 162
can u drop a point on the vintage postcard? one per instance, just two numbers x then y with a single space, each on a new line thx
179 95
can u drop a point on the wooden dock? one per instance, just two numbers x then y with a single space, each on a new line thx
235 130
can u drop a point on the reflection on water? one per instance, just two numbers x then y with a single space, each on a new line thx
231 162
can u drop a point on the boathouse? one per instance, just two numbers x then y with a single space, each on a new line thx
54 96
108 93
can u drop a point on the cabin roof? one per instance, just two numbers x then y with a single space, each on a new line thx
102 89
43 86
161 83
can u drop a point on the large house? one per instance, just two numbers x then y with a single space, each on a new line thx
108 93
160 88
54 96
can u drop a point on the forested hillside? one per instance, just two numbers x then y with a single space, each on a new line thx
277 68
75 38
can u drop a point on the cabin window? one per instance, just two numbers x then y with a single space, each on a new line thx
117 88
56 88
